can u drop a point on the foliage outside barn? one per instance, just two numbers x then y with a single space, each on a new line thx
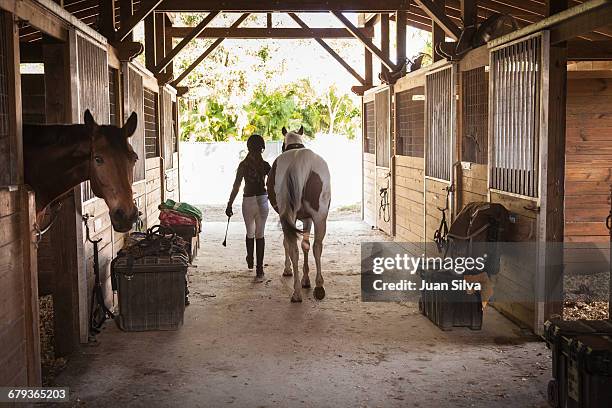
249 86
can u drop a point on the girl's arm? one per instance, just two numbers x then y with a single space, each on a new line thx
234 193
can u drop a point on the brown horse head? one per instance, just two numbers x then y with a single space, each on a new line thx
112 169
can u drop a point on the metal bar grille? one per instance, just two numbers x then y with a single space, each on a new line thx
370 130
475 92
410 140
168 126
93 89
135 90
515 112
151 119
440 110
113 93
382 119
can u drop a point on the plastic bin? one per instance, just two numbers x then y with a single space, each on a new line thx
151 292
450 308
582 363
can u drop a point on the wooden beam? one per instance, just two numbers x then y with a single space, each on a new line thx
38 17
582 50
107 19
553 90
160 37
365 41
567 24
144 10
194 33
331 52
167 42
384 41
469 12
280 33
437 33
126 10
554 6
264 6
369 76
269 20
400 36
150 34
206 53
437 14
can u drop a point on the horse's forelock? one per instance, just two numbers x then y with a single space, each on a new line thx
293 138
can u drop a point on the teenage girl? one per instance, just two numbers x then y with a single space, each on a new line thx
254 170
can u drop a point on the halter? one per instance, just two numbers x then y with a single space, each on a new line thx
294 146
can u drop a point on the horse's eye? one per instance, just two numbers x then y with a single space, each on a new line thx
99 160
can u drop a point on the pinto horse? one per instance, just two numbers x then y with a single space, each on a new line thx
299 188
58 158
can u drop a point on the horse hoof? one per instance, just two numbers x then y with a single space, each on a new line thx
287 273
306 285
319 293
296 300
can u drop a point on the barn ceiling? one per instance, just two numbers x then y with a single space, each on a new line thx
524 11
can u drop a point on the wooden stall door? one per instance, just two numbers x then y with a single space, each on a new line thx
383 182
133 101
369 201
440 113
170 170
91 91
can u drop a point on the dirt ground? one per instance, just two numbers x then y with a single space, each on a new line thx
244 344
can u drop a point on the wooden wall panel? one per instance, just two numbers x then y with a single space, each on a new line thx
369 204
588 173
409 199
19 338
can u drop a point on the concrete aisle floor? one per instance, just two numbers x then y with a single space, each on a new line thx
245 345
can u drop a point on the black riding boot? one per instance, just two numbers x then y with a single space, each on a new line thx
250 246
260 247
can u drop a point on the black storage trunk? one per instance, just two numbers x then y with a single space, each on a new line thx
582 363
151 292
190 234
450 308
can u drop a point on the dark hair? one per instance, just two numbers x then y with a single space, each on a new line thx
256 144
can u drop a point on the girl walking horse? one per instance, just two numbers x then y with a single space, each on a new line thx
299 189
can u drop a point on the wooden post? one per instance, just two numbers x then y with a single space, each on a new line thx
469 10
384 40
151 34
555 6
30 275
437 32
107 19
167 44
400 36
549 283
126 9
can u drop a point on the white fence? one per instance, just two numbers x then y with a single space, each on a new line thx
208 169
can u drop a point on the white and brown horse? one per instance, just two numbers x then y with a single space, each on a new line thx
58 158
299 189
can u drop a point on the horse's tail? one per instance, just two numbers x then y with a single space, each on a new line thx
291 200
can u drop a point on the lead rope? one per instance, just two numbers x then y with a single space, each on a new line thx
441 235
384 201
98 310
40 232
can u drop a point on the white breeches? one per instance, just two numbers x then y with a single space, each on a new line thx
255 212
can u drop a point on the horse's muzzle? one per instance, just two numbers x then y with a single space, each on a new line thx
123 221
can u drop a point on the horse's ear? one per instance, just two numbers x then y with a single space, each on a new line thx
130 125
89 120
301 131
284 131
